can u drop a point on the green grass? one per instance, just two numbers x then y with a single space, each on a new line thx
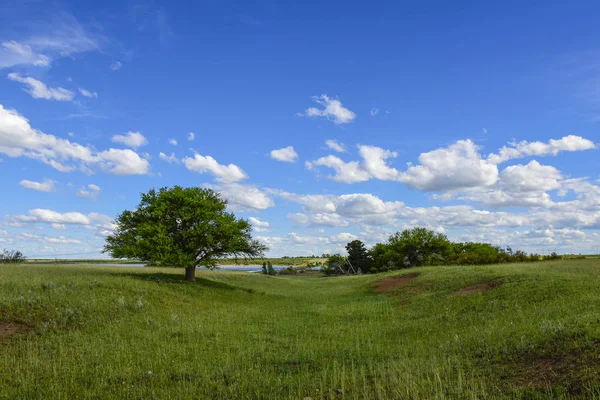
109 332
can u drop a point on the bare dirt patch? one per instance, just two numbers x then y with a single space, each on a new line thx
394 282
8 329
480 287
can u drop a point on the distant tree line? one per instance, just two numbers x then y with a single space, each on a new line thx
11 257
422 247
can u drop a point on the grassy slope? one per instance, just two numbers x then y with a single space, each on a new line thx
142 333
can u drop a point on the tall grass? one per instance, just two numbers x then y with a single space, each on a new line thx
144 334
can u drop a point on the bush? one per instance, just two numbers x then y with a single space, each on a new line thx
287 271
335 265
11 257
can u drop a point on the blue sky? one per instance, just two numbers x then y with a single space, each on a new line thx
321 122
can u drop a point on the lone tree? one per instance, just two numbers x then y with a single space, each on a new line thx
182 227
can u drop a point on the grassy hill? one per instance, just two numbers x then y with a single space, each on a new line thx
509 331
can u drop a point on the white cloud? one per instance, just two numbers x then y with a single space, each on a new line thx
457 166
115 66
51 216
59 227
286 154
170 159
346 172
191 136
46 186
91 192
123 162
39 90
335 146
60 37
206 164
173 142
87 93
318 219
374 162
374 111
130 139
18 139
14 53
243 197
531 177
258 225
332 110
553 147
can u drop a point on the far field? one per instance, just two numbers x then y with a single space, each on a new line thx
285 261
503 331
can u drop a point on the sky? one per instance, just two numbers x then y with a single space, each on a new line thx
320 122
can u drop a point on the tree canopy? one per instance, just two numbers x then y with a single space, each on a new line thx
182 227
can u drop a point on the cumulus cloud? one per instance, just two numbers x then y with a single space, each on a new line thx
454 167
51 216
318 219
87 93
552 147
191 136
286 154
332 109
222 173
258 225
459 166
335 145
243 197
345 172
374 162
130 139
39 90
123 162
531 177
115 66
18 139
173 142
170 159
46 186
90 192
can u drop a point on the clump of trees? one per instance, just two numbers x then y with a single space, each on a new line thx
267 268
422 247
11 257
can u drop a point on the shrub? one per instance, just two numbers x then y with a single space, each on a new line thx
11 257
287 271
335 265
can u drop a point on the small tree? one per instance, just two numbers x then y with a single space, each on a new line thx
358 256
335 265
420 246
264 268
182 227
270 269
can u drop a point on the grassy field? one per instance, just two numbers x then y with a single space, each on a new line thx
531 331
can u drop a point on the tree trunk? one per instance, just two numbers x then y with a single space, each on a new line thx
190 274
